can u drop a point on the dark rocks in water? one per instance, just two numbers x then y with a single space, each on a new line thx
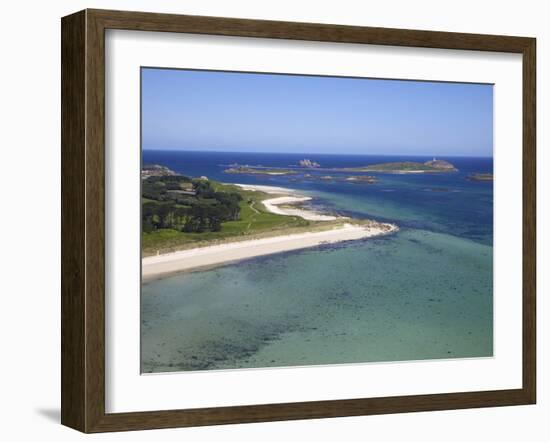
362 179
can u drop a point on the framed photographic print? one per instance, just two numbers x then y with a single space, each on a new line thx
270 220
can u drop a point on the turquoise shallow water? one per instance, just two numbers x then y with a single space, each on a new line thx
423 293
386 299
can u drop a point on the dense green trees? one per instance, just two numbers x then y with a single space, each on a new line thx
177 202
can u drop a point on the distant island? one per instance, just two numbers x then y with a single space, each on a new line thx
308 163
249 170
398 167
433 166
262 170
150 170
480 177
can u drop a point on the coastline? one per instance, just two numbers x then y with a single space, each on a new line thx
272 205
288 197
155 267
202 258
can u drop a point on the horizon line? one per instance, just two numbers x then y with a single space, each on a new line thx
318 153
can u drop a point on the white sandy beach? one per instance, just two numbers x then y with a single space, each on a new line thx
288 197
154 267
273 204
162 265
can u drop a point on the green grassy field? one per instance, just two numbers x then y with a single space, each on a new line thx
254 221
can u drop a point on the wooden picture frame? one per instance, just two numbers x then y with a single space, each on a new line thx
83 220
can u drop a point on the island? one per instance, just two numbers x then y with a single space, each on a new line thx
257 170
152 170
308 164
194 223
397 167
480 177
432 166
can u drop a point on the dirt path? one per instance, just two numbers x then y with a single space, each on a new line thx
253 208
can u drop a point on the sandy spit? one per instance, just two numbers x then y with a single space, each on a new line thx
200 258
154 267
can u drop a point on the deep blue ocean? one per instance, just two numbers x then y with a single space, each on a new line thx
423 293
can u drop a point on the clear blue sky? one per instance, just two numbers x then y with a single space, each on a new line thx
226 111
